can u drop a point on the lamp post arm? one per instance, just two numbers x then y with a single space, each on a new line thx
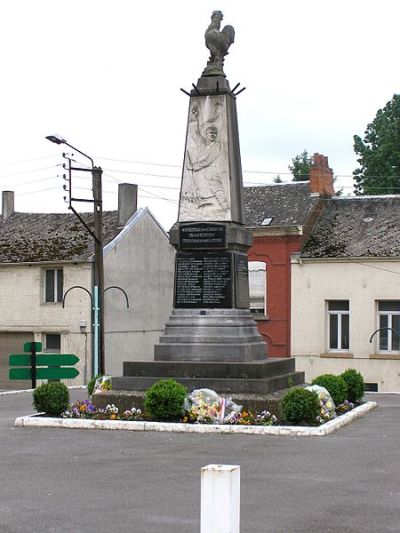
76 287
120 289
80 152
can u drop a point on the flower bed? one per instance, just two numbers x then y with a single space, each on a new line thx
168 407
117 424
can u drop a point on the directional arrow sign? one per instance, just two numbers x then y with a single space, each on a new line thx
28 346
44 373
48 359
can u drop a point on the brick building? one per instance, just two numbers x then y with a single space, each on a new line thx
281 217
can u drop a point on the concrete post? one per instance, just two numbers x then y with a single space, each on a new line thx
220 499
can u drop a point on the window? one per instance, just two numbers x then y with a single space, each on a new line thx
257 287
338 325
389 325
52 342
53 285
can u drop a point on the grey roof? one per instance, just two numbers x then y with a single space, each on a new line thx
37 237
289 204
363 226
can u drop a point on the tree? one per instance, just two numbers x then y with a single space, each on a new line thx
277 179
300 167
379 153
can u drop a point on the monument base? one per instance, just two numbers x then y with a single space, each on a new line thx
223 335
257 377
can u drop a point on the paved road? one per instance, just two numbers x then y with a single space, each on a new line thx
57 480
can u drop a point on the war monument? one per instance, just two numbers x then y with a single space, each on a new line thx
211 339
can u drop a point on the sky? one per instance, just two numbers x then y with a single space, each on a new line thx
106 75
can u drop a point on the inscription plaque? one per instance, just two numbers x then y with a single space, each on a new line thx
203 280
197 236
242 298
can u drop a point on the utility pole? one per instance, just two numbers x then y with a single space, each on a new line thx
98 259
97 234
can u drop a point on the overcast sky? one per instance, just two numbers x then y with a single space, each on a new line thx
106 75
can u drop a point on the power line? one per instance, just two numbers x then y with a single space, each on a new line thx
22 161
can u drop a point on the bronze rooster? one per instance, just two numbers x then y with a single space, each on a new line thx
217 42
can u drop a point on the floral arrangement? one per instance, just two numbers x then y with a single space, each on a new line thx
202 413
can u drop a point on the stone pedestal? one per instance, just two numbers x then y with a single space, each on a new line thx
210 335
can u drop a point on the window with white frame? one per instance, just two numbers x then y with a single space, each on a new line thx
257 287
389 325
53 285
338 325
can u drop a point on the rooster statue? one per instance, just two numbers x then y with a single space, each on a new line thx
218 43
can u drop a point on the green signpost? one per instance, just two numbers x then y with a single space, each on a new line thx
42 365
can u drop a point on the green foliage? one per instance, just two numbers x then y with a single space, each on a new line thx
300 406
335 385
91 384
51 398
164 400
379 153
300 167
277 179
355 384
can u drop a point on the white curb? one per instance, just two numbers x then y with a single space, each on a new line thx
294 431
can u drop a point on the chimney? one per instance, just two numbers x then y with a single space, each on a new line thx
7 205
321 176
127 202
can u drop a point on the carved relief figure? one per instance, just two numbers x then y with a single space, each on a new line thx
205 183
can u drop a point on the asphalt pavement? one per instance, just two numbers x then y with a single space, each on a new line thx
95 481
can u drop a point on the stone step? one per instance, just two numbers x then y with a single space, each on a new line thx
200 369
219 385
230 352
256 403
175 339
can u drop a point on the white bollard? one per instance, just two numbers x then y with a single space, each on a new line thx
220 499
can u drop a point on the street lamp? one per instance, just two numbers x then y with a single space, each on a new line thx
97 234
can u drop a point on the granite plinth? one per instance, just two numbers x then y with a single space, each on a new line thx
257 377
224 335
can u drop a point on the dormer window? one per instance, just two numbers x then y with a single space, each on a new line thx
267 221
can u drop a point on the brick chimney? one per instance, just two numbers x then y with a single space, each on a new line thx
127 202
7 204
321 176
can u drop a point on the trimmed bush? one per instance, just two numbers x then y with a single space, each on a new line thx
300 406
335 385
164 400
51 398
355 384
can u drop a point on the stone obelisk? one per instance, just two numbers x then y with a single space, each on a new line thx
211 320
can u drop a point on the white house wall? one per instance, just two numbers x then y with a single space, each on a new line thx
363 284
23 309
141 261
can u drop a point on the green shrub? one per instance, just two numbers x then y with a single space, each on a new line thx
355 384
91 384
300 406
164 400
335 385
51 398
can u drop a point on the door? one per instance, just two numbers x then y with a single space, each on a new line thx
12 343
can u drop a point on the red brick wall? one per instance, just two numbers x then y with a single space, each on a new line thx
275 252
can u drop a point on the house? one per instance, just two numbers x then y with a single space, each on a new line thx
280 217
346 292
42 255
